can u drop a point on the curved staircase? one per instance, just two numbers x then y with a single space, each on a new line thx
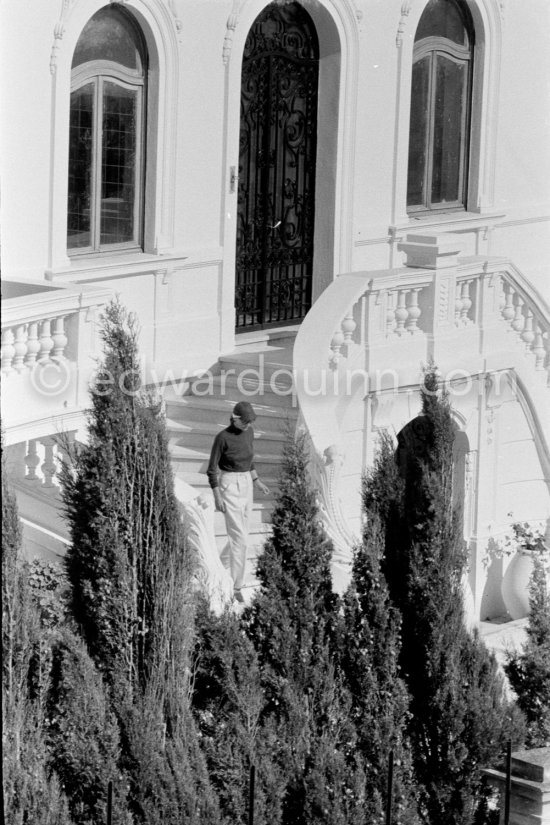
260 373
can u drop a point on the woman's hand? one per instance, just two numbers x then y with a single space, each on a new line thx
218 500
262 487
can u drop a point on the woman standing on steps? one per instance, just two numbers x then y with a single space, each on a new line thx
231 474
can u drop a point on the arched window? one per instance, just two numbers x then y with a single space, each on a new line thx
107 135
440 108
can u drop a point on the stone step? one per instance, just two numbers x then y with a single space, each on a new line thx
250 382
188 459
200 436
199 481
185 429
217 411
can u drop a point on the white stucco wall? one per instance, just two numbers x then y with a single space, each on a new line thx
366 48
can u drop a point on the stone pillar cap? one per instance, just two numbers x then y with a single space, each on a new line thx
434 250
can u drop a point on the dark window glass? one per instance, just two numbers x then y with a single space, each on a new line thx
440 105
106 136
448 134
80 167
118 164
442 18
108 35
418 140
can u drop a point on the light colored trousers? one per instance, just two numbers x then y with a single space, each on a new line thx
236 491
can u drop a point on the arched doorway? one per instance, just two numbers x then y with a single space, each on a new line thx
277 154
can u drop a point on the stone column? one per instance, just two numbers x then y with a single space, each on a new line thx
530 797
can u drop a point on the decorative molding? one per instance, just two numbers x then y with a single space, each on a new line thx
326 470
231 25
58 32
405 11
178 22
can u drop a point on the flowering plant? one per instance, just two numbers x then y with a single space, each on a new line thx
526 538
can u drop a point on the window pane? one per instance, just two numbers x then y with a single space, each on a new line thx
108 35
118 167
442 18
448 130
418 140
80 167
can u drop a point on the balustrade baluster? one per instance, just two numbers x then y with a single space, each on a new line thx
46 341
33 344
414 312
501 294
348 328
390 312
519 319
528 334
32 461
508 311
59 338
401 312
8 350
458 304
466 303
336 345
20 348
538 348
49 465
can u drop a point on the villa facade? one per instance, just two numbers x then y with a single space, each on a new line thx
333 192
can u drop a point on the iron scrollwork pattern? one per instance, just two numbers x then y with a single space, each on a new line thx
276 193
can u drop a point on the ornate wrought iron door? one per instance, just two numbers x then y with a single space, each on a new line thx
276 200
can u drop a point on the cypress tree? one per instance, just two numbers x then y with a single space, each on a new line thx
235 732
529 670
30 792
294 623
82 734
459 715
371 658
129 572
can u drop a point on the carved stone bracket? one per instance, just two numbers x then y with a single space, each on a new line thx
58 32
231 25
178 22
405 11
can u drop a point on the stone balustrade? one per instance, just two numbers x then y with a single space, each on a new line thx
359 353
36 342
525 318
405 305
35 464
49 347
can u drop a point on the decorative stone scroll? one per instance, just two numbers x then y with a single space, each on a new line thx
198 519
325 471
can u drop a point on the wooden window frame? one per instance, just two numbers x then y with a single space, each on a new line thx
434 48
98 73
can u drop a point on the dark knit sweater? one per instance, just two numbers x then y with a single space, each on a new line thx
232 452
